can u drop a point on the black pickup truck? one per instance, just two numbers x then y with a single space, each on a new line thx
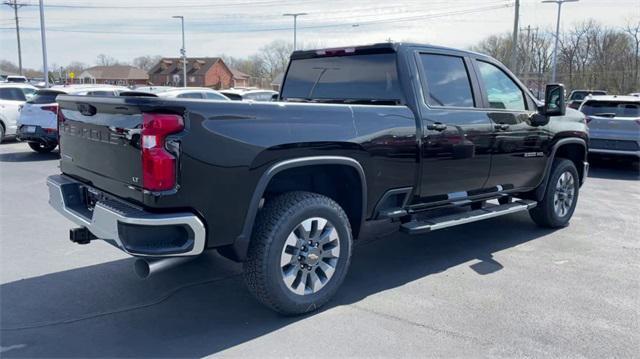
421 136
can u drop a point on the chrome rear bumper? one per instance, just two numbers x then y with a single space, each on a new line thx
130 228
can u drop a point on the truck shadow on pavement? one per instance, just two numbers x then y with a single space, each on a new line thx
29 156
203 308
614 168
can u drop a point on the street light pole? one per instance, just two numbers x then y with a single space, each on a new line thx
183 51
45 68
555 47
295 26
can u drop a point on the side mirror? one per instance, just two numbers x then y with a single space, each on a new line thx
554 104
275 97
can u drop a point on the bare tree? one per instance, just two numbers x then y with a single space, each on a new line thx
276 57
146 62
634 31
106 60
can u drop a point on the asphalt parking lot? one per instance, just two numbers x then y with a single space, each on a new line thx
499 288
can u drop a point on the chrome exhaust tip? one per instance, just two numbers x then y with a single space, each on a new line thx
144 268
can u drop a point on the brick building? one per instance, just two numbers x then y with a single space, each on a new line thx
201 72
115 75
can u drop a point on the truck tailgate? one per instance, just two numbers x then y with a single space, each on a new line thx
100 143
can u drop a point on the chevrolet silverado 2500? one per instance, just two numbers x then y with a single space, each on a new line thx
421 136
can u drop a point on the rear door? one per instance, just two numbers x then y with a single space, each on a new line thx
11 98
518 155
456 134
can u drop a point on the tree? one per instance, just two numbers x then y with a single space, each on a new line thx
275 57
106 60
634 32
146 62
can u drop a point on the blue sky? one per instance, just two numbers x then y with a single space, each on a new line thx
79 30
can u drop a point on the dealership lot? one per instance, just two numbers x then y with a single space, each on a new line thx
502 287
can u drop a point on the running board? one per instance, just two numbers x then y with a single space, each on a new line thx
491 211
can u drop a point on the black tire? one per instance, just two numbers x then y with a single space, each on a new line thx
1 133
276 221
41 147
546 213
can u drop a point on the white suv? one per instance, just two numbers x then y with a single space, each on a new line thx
12 97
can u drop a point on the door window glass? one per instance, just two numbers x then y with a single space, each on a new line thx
447 81
12 94
502 91
190 95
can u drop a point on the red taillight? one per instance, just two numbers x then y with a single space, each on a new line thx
52 108
158 164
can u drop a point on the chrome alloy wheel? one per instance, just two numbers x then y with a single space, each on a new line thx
564 194
310 256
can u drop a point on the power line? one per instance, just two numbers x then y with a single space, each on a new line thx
307 27
15 5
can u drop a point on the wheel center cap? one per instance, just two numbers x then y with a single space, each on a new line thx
313 257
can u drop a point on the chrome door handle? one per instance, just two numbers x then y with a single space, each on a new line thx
437 127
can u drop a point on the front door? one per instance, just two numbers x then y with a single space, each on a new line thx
518 149
456 135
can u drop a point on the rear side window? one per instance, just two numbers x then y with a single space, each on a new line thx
448 81
502 91
100 93
12 94
370 77
44 96
611 109
215 96
190 95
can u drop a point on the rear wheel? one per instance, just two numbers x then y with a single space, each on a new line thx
1 133
41 147
299 253
560 198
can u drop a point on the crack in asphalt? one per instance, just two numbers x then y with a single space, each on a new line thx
424 326
160 300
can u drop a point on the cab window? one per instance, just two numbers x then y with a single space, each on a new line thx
447 80
502 92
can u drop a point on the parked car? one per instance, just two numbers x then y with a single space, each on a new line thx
38 121
577 96
614 124
636 94
91 89
12 97
193 92
420 136
16 79
38 82
154 89
254 95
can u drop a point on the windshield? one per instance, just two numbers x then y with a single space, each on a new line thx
611 109
367 78
580 95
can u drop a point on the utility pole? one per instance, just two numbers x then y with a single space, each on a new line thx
14 4
183 51
514 41
45 68
555 47
295 26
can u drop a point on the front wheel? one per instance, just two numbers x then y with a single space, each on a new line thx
42 147
299 253
560 198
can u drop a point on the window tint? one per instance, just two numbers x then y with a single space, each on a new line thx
447 81
100 93
357 77
44 96
190 95
12 94
501 91
28 92
215 96
611 109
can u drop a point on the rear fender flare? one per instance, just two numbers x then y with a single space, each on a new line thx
241 244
